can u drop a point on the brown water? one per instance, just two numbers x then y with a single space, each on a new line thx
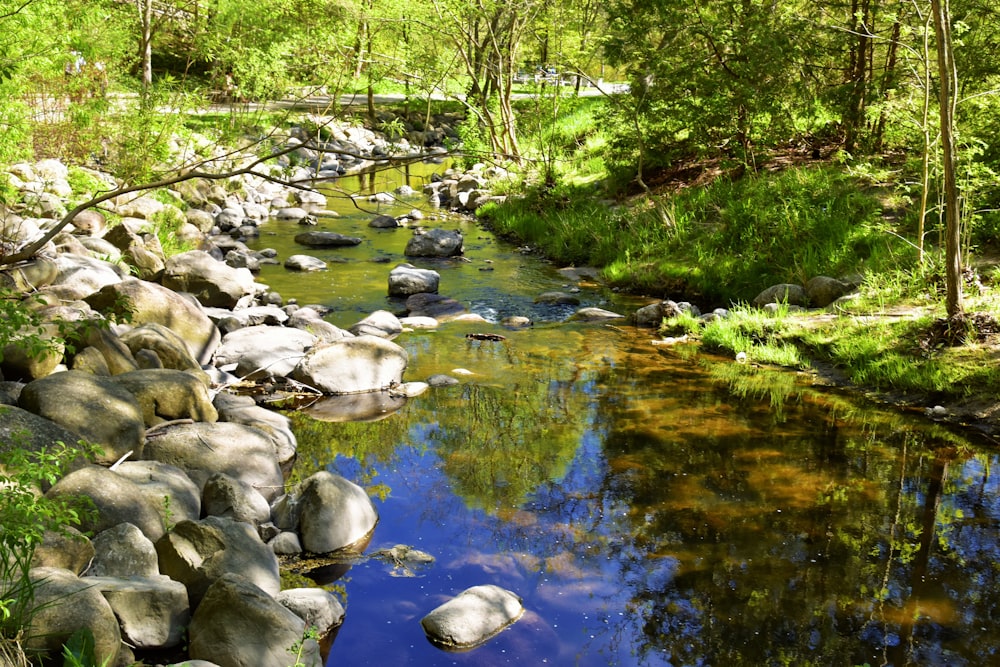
651 505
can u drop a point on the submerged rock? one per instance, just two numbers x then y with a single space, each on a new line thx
325 239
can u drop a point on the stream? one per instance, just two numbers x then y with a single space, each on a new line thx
652 505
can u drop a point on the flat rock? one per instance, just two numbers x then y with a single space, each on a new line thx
325 239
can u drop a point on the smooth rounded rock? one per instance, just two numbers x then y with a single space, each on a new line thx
472 617
237 624
73 399
202 449
334 513
406 280
352 365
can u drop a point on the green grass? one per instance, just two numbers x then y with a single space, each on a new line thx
721 243
755 336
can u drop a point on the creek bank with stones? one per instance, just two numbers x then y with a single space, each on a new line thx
191 509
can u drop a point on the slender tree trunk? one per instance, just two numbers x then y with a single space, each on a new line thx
146 45
888 77
925 179
859 71
949 156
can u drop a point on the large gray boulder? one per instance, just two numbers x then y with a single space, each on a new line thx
151 303
17 360
65 604
381 323
86 273
230 320
144 252
383 222
264 351
30 275
165 394
243 410
331 513
176 497
237 624
472 617
152 611
792 295
304 263
309 319
654 314
406 279
97 409
115 498
201 449
229 497
67 549
823 290
123 551
365 363
213 283
116 354
595 315
319 608
27 431
169 347
196 553
434 243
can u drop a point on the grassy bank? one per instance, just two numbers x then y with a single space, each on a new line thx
717 236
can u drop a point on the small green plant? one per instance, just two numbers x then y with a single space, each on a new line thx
751 334
25 516
166 223
80 651
681 324
20 325
168 515
299 647
393 129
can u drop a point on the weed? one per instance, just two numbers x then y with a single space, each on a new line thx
25 516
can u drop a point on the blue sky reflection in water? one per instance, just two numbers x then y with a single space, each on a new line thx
652 506
658 516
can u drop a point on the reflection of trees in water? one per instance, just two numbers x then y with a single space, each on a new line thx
829 547
703 528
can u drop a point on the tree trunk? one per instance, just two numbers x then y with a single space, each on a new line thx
146 45
947 76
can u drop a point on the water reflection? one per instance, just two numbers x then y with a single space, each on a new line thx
652 506
651 515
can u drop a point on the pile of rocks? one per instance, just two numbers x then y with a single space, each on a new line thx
191 509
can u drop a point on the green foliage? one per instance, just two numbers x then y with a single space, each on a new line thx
79 650
752 335
683 324
298 648
140 143
725 241
474 142
20 325
166 224
25 516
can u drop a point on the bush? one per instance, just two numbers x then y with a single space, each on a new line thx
25 516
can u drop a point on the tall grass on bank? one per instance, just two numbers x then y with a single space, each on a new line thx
722 243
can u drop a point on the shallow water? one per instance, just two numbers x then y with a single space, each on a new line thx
651 505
